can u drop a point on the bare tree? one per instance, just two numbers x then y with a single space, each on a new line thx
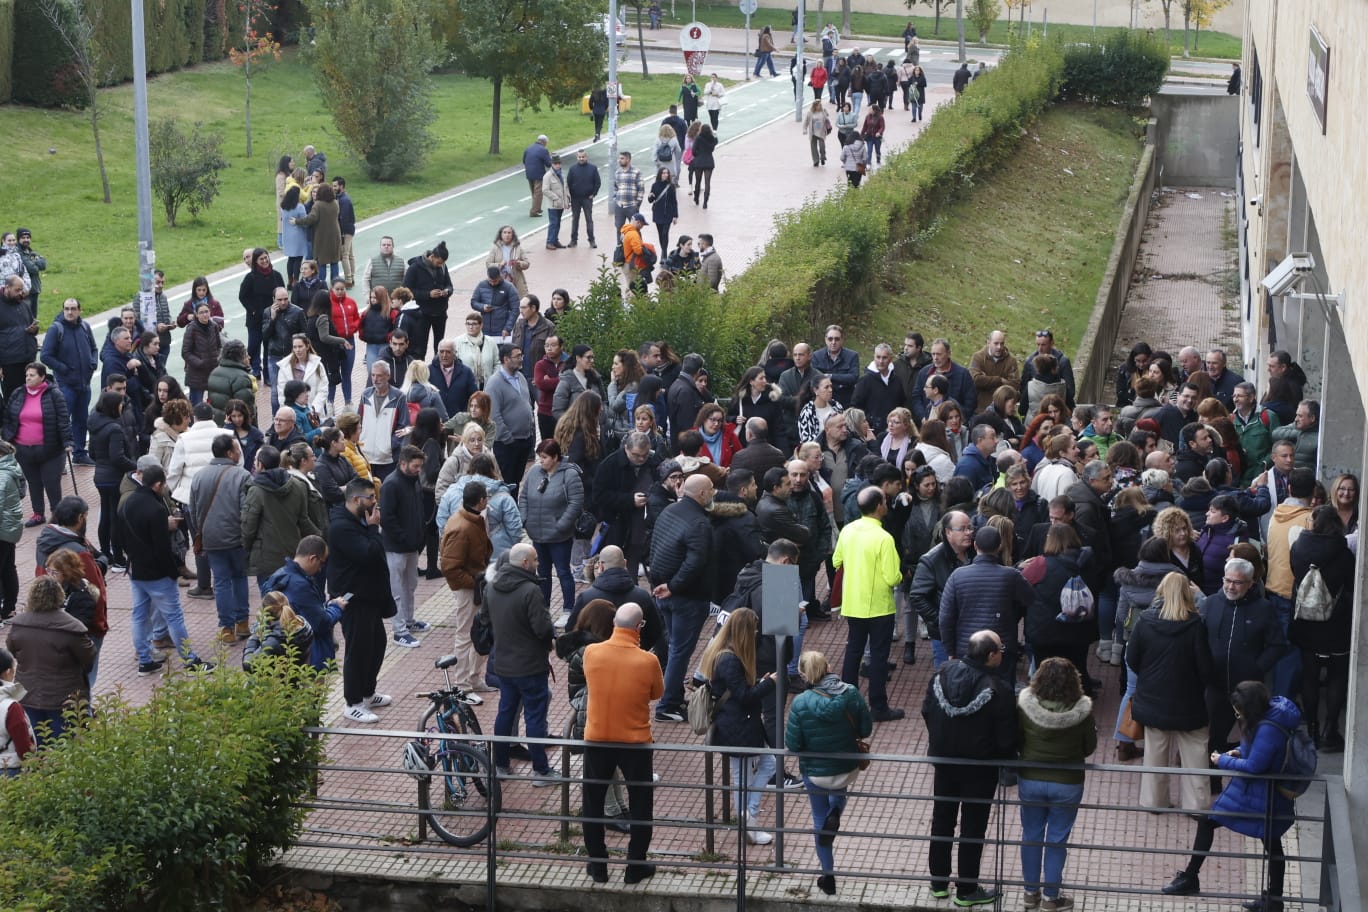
76 23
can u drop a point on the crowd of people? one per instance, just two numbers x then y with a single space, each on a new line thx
1180 532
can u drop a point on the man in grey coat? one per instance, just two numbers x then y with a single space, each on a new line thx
510 408
216 497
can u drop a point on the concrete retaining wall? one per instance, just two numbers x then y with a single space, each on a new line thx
1093 359
1198 139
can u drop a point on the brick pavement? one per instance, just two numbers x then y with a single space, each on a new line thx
1169 314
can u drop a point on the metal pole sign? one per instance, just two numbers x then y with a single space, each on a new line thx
748 8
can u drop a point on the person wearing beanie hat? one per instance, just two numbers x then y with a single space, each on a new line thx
35 263
428 279
985 596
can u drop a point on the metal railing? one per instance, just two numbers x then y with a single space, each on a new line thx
356 803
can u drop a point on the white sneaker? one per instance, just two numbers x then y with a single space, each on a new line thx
755 835
359 713
377 699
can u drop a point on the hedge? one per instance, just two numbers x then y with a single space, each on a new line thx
823 259
169 806
178 33
6 48
1125 69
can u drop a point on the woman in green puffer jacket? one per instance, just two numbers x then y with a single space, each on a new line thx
1056 727
827 718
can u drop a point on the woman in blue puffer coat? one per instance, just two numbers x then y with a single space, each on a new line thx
1265 727
827 718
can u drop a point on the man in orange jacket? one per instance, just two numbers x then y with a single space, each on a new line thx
623 680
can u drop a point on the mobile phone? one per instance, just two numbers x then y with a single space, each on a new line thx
346 596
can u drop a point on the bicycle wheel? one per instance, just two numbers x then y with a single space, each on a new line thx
459 796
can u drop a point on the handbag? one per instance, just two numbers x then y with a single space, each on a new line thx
861 168
1129 727
861 744
197 540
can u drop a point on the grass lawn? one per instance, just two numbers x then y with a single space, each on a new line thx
1026 249
1211 44
92 248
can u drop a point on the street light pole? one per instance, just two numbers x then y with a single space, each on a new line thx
147 257
799 66
615 91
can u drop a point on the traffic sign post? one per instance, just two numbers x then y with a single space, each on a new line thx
748 8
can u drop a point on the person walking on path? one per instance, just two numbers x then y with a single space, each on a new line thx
764 53
854 160
583 184
623 679
358 580
536 162
701 168
970 714
817 127
867 557
714 96
1056 727
664 204
830 717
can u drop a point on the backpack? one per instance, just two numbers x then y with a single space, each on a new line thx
1315 601
701 708
1076 601
1299 759
663 152
648 256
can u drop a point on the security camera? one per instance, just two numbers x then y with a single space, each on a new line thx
1288 274
1255 200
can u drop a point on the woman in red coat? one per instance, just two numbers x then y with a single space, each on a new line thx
719 436
346 320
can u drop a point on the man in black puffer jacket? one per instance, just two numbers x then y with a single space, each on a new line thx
1246 640
970 713
932 573
681 564
615 583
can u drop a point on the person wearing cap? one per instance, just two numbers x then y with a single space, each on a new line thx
985 596
536 162
634 267
496 299
427 277
557 201
35 263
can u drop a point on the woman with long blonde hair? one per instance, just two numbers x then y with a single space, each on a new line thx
1171 658
278 631
729 665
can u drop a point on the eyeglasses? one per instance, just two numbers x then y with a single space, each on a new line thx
959 529
675 476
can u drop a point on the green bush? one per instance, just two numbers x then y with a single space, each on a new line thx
169 806
1125 69
824 259
6 49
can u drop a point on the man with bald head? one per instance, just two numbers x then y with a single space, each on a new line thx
525 632
614 582
622 680
681 574
758 455
993 366
284 429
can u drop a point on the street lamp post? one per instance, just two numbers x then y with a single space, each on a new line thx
147 257
614 90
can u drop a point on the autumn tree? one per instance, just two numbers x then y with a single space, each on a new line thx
77 23
531 46
256 45
371 61
983 13
1199 14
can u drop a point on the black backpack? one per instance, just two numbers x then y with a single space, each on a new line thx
648 256
663 152
1299 759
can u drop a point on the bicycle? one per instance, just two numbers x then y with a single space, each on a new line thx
469 793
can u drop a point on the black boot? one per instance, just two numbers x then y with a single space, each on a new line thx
910 653
696 196
705 199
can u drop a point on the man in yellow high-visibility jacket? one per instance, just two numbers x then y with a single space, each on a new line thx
868 560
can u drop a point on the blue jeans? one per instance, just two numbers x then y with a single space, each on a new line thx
685 619
856 101
553 218
48 725
534 695
374 352
1107 601
229 569
163 596
873 149
1048 810
938 654
332 270
95 666
1131 682
78 406
764 59
196 396
758 770
1287 673
823 802
792 668
557 554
